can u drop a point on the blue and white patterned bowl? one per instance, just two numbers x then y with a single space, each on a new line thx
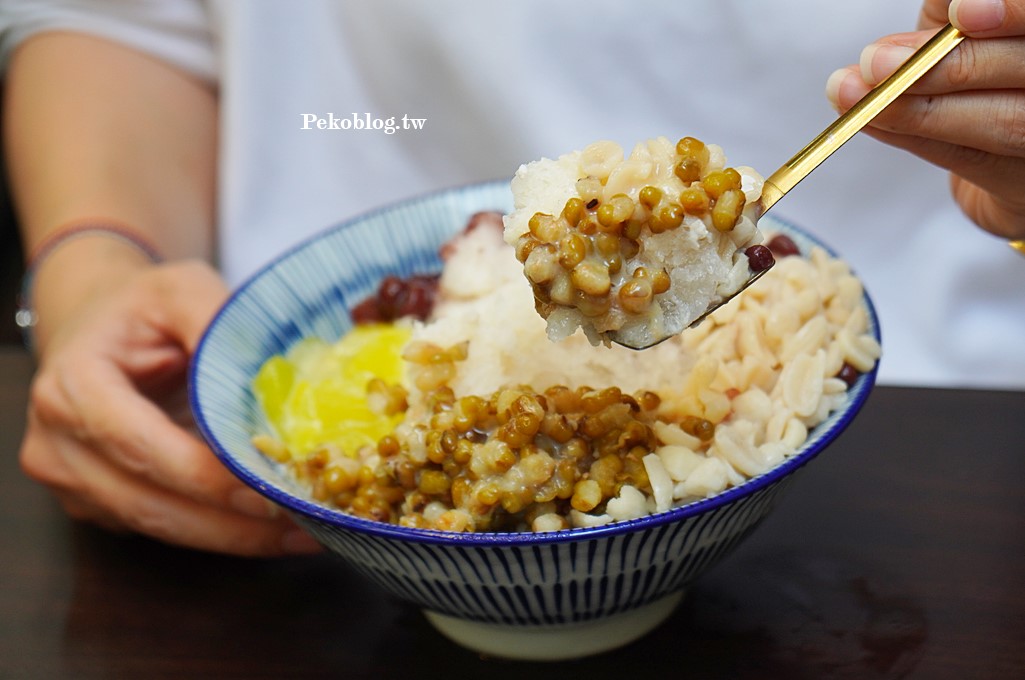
538 596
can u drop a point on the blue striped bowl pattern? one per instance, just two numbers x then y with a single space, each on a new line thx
501 581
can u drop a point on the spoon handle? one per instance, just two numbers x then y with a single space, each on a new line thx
858 116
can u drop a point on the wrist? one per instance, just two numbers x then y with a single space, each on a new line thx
72 267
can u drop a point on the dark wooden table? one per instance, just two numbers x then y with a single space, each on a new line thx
900 552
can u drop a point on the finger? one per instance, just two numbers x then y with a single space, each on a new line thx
101 408
1004 218
986 187
988 18
934 14
37 456
81 511
91 489
972 65
113 498
992 121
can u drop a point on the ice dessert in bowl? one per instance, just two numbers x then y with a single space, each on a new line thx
537 499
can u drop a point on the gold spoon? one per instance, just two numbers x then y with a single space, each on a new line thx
833 137
858 116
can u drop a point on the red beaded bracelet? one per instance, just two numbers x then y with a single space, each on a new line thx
25 316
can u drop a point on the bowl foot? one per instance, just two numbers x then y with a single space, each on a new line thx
555 642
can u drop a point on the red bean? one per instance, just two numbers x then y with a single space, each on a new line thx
396 298
391 296
848 374
366 311
782 245
759 258
420 300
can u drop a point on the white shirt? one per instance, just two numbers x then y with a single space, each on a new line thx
500 84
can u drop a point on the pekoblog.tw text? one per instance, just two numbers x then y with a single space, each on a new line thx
355 121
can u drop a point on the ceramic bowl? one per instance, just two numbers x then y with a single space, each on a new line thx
523 595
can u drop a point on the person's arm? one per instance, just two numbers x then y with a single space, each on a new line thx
966 115
94 130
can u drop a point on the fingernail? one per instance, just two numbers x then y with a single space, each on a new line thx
253 504
299 542
879 61
839 86
833 84
974 16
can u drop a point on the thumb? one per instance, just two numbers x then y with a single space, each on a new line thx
191 292
988 18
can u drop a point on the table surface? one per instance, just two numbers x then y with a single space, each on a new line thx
899 552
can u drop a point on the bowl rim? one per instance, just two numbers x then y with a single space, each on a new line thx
858 394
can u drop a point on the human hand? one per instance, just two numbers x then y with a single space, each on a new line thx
967 114
109 428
